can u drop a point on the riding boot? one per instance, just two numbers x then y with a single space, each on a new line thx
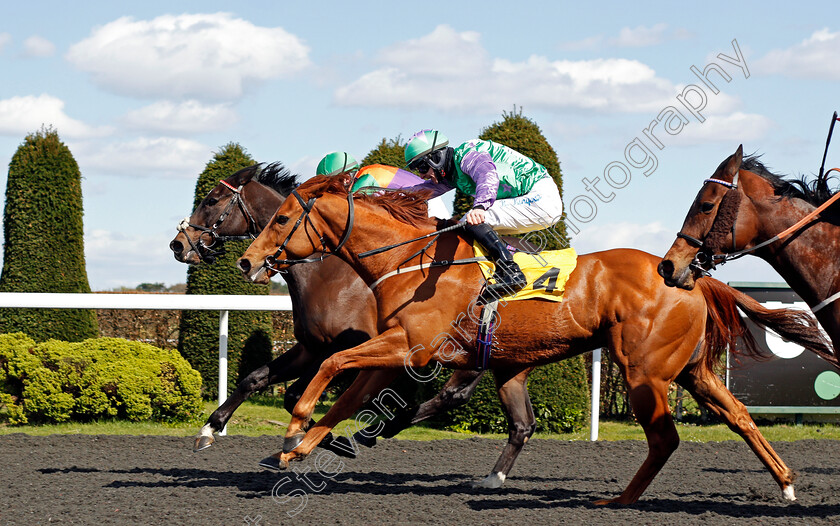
508 277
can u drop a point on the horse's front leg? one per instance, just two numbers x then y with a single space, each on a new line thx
288 366
386 351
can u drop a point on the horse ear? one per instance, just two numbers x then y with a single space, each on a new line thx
245 175
734 164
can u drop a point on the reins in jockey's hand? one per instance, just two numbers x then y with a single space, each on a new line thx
203 249
307 207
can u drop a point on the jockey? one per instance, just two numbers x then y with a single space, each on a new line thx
373 175
513 194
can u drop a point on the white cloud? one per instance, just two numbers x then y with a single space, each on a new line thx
38 47
415 74
5 40
178 118
736 128
200 56
639 36
24 115
159 157
815 57
144 257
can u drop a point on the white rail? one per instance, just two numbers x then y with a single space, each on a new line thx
221 303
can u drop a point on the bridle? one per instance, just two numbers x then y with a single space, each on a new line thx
307 206
705 259
205 249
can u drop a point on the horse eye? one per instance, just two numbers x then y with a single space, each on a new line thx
212 201
282 220
707 207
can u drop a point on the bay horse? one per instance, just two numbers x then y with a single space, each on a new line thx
327 318
333 309
743 208
613 299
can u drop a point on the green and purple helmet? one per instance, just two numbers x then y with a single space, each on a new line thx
336 163
421 145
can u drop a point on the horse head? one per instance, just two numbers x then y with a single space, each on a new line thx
304 224
237 208
720 222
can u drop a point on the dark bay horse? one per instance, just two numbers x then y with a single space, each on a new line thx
333 308
328 315
743 208
614 299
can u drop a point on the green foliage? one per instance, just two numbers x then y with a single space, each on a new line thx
249 336
523 135
559 396
388 152
59 381
44 238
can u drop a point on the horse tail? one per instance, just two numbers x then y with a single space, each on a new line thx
725 325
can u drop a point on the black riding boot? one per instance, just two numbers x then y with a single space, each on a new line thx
508 277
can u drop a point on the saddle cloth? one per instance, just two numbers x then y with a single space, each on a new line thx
547 272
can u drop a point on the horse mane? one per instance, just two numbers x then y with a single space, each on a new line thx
277 177
815 192
406 206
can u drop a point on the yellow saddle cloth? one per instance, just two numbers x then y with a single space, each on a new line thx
547 272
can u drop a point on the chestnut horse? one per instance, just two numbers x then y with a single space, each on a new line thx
742 209
612 299
327 318
333 308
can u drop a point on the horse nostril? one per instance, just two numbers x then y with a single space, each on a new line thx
244 265
176 246
666 268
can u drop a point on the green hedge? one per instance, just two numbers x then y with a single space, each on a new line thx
559 395
43 248
58 381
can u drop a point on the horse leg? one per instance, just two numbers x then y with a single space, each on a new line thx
513 393
649 400
707 389
366 383
285 367
455 393
389 350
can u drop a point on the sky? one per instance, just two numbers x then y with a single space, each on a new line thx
145 94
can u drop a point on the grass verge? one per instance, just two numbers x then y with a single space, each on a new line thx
266 416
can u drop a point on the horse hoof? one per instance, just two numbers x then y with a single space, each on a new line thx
788 493
341 446
492 481
273 463
202 442
290 443
363 439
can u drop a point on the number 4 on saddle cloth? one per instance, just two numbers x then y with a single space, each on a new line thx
547 273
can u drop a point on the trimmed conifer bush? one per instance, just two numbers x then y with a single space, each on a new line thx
44 238
249 334
58 381
388 152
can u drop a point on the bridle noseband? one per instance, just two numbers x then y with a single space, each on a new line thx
705 259
204 249
272 261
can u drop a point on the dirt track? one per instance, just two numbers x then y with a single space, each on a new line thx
158 480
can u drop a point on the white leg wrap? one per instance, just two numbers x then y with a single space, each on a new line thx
788 493
492 481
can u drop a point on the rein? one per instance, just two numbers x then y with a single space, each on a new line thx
204 250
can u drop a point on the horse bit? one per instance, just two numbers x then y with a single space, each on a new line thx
204 250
